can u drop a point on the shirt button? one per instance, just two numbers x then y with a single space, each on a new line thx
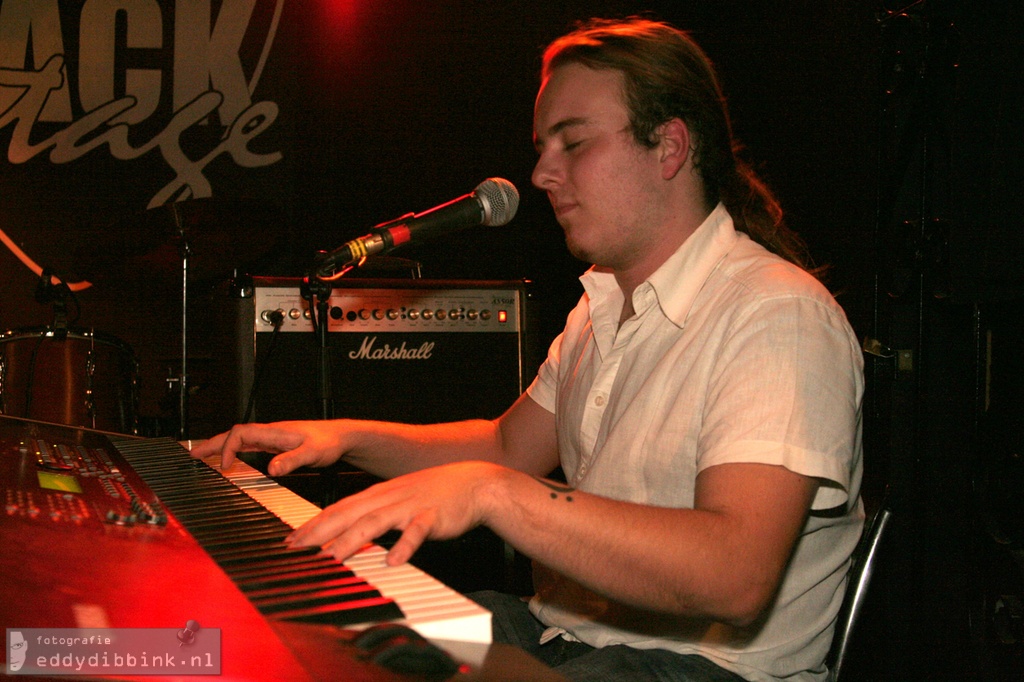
599 401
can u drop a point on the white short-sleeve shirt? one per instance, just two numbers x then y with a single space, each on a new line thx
733 355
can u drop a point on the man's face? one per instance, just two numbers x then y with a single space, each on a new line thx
602 184
17 653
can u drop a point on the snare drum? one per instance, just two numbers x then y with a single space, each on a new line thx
87 378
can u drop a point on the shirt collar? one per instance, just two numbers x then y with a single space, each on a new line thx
678 280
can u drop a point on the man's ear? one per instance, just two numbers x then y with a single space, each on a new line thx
674 147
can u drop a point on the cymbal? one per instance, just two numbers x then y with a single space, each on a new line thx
218 236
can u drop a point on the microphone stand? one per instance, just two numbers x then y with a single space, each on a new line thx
317 292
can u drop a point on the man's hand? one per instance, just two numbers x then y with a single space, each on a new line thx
439 503
298 443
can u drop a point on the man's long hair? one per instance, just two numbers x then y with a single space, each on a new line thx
666 76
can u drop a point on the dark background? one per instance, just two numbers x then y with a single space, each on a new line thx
890 132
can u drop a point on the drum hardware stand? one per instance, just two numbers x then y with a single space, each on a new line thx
57 295
182 379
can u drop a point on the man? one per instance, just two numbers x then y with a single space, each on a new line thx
703 402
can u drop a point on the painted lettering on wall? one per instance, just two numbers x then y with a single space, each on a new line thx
116 89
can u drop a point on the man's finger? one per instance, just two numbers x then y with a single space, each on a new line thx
289 461
205 448
412 538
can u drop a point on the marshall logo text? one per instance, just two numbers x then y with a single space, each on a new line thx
368 351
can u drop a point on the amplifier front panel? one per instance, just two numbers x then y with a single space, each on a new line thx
417 353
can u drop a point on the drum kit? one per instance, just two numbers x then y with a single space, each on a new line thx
87 377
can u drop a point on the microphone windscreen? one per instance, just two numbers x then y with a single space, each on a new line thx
500 200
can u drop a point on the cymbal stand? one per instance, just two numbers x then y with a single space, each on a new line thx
182 379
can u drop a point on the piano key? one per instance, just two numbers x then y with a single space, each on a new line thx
251 574
334 571
337 595
350 613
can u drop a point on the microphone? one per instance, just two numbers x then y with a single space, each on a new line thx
492 203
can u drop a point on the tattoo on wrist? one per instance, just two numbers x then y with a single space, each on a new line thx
557 489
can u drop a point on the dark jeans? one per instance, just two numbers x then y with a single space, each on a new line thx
515 625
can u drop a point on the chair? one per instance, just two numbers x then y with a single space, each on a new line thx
864 558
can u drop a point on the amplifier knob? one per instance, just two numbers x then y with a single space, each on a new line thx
392 314
378 314
471 314
440 314
414 314
364 314
428 314
485 315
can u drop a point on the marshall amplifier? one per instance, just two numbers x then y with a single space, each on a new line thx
416 351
